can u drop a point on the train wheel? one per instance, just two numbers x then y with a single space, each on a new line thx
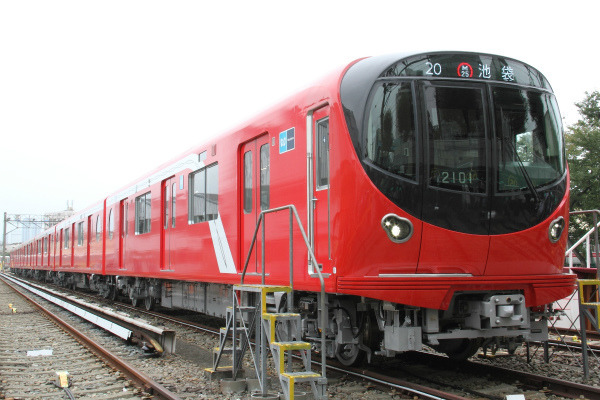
148 303
459 349
349 354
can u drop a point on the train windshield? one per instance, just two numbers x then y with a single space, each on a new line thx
530 147
528 135
391 129
465 141
456 138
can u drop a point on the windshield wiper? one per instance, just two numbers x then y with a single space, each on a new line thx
528 180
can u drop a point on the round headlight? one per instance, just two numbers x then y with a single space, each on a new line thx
556 229
398 229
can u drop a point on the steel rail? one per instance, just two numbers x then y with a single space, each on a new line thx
409 387
559 387
138 377
563 388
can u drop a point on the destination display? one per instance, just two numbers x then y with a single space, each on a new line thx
469 66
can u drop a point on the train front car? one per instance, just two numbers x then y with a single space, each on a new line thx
461 213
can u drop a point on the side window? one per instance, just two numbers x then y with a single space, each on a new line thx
248 182
66 238
80 234
204 194
265 177
212 193
143 215
197 188
98 227
323 154
111 224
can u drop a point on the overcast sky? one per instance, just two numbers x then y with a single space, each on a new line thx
93 94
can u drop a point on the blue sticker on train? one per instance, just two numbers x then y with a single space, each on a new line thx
287 140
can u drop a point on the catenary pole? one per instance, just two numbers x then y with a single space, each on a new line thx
4 241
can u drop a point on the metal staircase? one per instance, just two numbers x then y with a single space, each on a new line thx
589 310
588 289
254 310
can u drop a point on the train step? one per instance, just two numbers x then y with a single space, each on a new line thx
261 288
226 350
243 309
223 331
293 345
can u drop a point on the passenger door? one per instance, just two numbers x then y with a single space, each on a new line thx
168 222
123 215
255 193
321 200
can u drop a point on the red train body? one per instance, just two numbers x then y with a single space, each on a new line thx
431 186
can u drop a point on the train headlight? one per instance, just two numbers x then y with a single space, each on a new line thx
556 228
398 229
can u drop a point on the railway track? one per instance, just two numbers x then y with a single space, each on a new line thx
42 355
422 375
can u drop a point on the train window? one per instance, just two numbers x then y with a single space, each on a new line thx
166 208
248 182
197 196
98 228
143 214
323 154
45 245
529 139
173 198
265 176
212 192
391 143
111 224
455 121
204 194
66 238
80 234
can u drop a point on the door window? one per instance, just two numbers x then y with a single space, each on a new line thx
248 182
265 177
173 198
323 154
166 207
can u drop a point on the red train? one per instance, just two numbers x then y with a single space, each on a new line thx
433 188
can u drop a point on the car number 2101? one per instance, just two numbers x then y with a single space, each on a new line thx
455 177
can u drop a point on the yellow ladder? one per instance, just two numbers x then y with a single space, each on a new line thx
589 310
282 332
588 294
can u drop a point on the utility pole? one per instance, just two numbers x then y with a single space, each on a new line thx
4 241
